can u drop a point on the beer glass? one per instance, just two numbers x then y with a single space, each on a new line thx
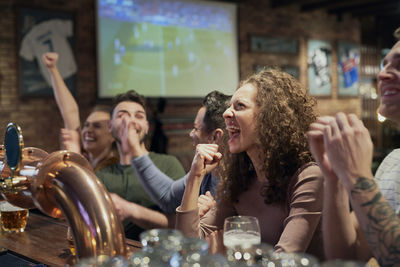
13 219
240 234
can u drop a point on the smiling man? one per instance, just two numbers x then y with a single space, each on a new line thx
121 179
343 148
208 129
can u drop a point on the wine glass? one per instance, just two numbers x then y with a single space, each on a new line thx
240 234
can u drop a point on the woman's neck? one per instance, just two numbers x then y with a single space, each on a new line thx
258 163
96 158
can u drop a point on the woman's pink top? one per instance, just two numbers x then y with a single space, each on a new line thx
290 227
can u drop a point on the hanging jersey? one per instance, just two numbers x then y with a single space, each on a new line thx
50 36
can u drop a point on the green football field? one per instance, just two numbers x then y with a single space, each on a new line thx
168 61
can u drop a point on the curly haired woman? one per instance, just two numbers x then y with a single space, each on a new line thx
269 172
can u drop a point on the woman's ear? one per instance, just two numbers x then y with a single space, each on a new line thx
217 135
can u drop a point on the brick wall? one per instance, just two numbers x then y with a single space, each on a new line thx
256 18
41 121
39 117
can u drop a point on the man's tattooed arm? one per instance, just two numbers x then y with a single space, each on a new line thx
378 221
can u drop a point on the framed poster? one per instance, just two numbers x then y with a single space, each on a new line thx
269 44
319 68
291 69
348 66
40 31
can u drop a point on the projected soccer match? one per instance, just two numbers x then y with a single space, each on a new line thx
171 48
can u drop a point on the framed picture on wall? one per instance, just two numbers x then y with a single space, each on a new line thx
319 68
291 69
40 31
348 69
269 44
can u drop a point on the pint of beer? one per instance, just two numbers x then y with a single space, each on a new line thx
13 219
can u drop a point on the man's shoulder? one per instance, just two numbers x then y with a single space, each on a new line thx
388 171
106 163
110 169
395 154
168 164
161 157
390 161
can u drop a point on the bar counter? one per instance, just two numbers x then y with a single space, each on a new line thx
44 241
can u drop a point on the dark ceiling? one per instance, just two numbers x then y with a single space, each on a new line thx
379 18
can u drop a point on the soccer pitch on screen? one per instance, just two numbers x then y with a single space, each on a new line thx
166 48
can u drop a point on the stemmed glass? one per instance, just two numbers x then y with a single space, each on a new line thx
240 234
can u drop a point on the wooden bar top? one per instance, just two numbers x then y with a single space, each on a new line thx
44 241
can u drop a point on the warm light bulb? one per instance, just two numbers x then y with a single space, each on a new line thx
380 117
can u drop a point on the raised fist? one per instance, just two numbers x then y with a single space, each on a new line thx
50 59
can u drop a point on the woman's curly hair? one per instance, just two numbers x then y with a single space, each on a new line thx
285 112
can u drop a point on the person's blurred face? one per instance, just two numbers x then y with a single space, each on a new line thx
240 120
131 111
198 133
389 85
95 135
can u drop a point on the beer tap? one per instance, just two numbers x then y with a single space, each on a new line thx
61 185
15 182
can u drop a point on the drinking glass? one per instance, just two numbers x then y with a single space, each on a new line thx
213 260
240 234
343 263
262 254
13 218
284 259
160 245
193 250
168 239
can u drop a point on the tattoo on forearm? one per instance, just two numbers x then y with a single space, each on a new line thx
373 201
363 185
382 229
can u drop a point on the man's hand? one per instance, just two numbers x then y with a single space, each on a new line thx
50 59
205 203
121 205
317 146
349 148
130 138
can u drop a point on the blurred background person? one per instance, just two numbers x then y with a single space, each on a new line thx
94 138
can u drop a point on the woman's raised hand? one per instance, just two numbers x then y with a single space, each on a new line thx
50 59
205 159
